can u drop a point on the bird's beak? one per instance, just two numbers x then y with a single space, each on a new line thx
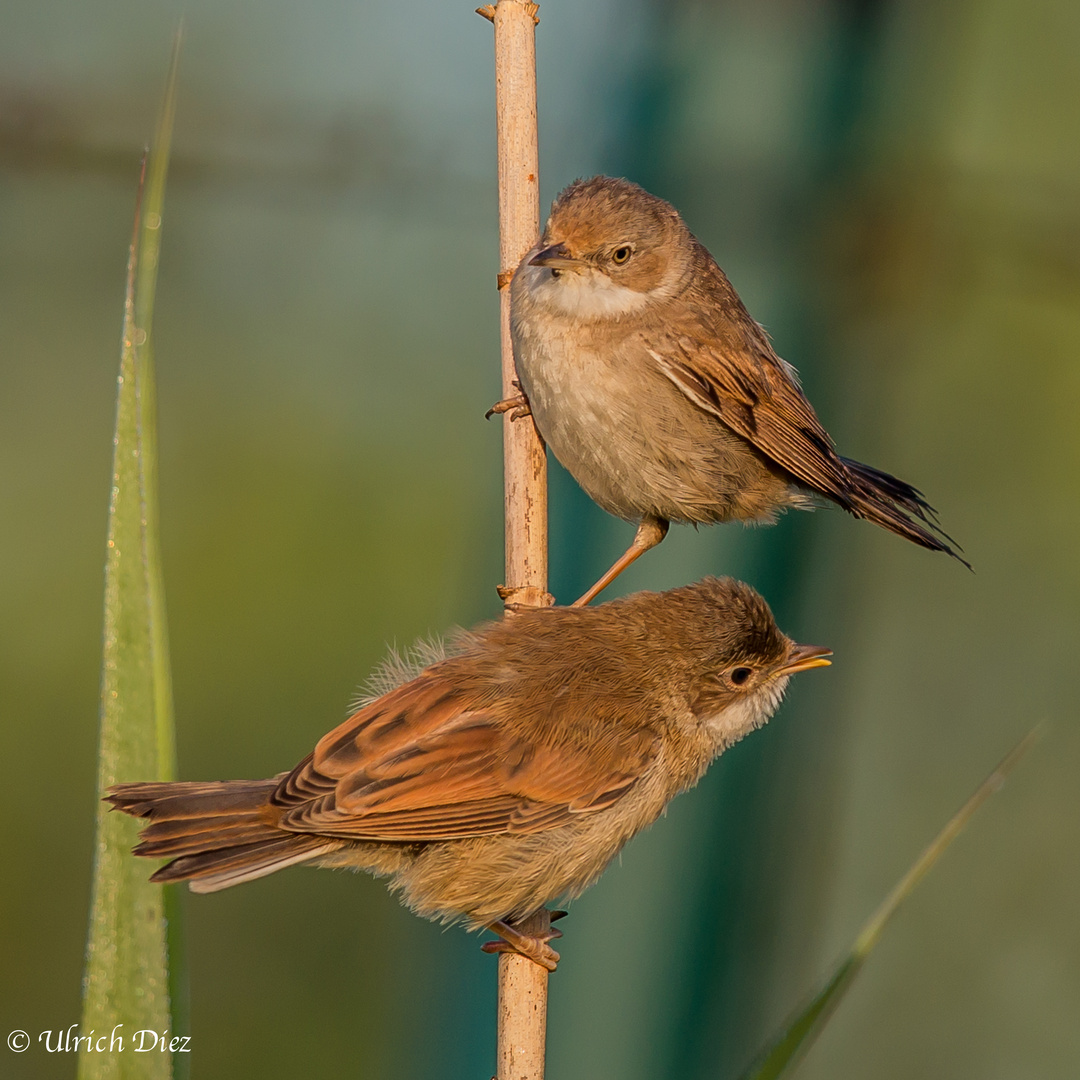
555 257
803 658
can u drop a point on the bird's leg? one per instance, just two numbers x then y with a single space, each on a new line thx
649 533
517 406
534 946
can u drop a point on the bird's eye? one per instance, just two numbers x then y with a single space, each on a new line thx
740 675
622 254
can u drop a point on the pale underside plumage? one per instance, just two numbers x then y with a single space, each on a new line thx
586 388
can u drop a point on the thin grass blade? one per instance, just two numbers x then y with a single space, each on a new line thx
126 983
789 1047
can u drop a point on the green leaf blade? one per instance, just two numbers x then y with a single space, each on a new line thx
126 982
788 1048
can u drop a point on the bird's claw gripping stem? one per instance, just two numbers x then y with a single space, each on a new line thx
524 598
516 406
534 946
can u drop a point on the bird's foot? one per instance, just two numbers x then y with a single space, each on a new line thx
534 946
517 406
524 598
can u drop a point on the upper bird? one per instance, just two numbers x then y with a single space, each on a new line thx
506 775
654 387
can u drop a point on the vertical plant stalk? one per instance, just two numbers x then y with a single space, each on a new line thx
126 984
524 460
522 1007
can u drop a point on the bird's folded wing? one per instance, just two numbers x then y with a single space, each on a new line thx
757 395
425 762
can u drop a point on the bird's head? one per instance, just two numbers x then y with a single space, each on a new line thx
608 249
739 659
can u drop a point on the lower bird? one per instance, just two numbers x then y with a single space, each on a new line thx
664 399
507 774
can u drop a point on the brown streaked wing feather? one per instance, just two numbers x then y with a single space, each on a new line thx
758 399
430 762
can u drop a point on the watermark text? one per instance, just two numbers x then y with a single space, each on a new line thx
73 1041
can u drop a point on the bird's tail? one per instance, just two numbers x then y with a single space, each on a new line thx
897 506
217 834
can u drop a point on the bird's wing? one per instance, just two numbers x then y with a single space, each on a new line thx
751 390
426 762
734 374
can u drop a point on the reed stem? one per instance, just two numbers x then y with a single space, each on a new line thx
522 1007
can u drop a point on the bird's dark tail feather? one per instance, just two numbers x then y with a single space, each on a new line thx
897 506
217 834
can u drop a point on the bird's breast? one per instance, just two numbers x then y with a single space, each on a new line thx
581 392
631 439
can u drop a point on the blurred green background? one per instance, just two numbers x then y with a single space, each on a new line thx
894 188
